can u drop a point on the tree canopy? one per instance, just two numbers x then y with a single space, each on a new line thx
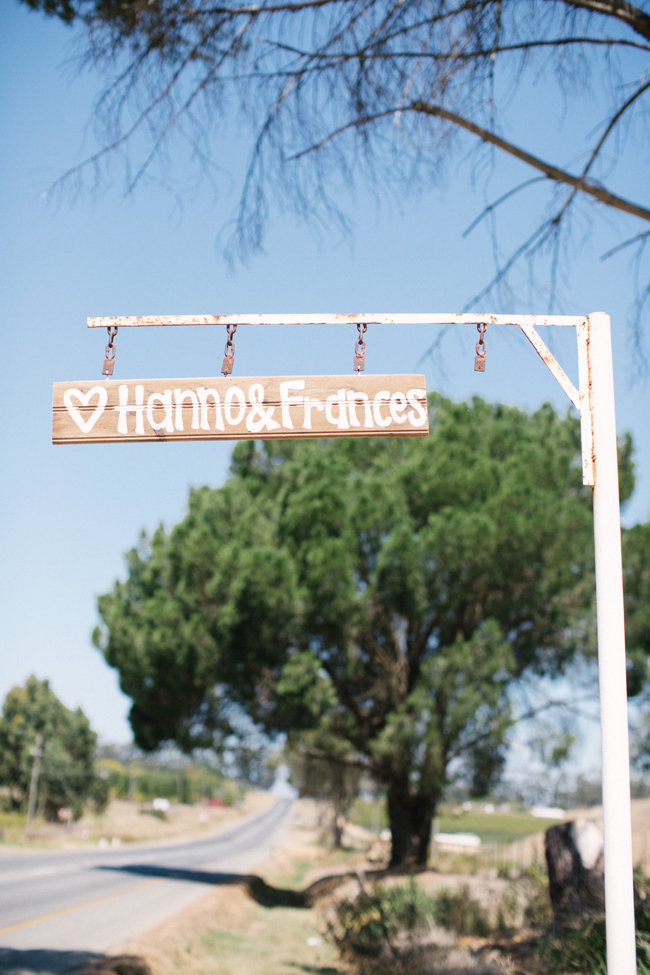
636 585
333 92
374 599
35 724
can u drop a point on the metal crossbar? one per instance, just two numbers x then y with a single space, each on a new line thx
367 318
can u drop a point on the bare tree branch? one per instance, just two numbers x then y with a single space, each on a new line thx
492 207
554 173
523 46
627 13
626 243
600 193
613 122
407 78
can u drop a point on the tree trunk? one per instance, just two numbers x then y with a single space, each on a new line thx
410 824
338 825
574 856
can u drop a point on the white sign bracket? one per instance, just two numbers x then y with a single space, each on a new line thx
579 397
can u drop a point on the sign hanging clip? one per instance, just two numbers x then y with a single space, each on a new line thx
229 356
479 361
110 351
360 348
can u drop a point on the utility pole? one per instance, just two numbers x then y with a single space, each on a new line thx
37 753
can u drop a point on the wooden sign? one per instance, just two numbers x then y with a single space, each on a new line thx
233 408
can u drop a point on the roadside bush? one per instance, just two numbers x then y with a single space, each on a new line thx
397 928
537 912
386 917
461 913
368 924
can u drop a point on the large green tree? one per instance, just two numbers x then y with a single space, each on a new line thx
375 598
636 584
329 92
36 727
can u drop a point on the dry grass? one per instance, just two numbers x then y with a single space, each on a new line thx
131 822
229 934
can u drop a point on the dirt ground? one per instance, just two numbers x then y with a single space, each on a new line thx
130 822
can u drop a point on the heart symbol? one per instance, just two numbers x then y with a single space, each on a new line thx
84 400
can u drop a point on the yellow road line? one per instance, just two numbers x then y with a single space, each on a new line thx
71 910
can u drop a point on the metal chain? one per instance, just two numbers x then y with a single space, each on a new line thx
360 348
110 351
479 361
229 355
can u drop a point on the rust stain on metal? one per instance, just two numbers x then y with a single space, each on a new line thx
367 318
589 399
586 403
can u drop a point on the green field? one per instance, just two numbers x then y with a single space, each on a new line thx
493 828
496 827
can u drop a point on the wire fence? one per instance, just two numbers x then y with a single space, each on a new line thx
523 854
515 858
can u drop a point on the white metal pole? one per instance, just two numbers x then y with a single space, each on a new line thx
619 894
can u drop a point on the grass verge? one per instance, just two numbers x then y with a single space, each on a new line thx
228 932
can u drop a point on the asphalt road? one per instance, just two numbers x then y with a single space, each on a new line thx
61 910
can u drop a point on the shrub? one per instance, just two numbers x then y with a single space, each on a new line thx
369 923
375 920
461 913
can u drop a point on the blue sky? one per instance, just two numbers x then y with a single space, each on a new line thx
68 514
